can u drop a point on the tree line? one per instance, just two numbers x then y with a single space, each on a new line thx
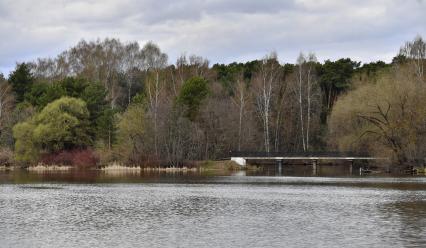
116 101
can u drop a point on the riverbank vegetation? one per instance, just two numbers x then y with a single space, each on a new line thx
105 101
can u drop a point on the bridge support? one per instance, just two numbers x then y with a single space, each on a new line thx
280 166
314 167
351 165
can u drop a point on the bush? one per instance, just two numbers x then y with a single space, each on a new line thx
61 125
93 94
6 157
132 142
107 156
384 117
77 157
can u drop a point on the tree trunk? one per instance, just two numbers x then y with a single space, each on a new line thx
155 113
309 109
240 122
301 107
277 127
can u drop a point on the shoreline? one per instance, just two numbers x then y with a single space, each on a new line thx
118 167
196 166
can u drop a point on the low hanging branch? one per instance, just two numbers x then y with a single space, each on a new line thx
380 119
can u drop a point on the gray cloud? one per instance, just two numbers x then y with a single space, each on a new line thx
221 30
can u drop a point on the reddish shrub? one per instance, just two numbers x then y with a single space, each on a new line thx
6 157
80 158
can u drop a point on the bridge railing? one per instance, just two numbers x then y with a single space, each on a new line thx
295 154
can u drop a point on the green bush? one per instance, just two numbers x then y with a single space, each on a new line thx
94 94
61 125
131 134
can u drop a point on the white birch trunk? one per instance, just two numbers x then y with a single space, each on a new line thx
301 106
309 108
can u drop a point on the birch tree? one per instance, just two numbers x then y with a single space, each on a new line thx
300 62
240 99
281 102
308 95
154 61
180 74
416 51
104 61
187 67
131 64
264 84
199 66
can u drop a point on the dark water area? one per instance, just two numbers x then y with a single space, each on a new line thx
210 209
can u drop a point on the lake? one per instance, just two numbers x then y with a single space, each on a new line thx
117 209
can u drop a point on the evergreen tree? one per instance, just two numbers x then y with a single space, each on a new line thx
21 80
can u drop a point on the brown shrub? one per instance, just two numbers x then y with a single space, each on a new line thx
107 156
6 157
78 158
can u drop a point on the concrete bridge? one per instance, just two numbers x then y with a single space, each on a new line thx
312 158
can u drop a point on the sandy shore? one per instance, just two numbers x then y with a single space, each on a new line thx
4 168
119 167
48 168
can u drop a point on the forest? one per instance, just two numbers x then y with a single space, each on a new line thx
108 101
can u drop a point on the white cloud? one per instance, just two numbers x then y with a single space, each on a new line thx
221 30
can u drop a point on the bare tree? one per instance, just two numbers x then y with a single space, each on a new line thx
180 74
6 101
154 61
280 105
187 68
199 65
300 62
416 51
264 83
239 99
132 63
308 94
102 61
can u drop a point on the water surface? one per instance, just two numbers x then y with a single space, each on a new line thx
193 210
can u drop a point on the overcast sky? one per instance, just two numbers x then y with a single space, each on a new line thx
220 30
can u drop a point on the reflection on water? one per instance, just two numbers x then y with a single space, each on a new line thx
103 209
411 218
93 176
